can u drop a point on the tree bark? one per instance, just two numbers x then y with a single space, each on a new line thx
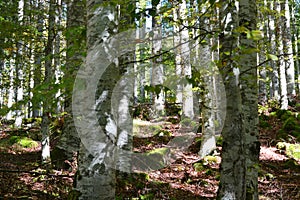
249 94
48 80
288 49
274 74
233 170
69 142
157 75
96 170
281 65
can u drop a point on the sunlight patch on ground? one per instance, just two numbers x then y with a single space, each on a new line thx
271 153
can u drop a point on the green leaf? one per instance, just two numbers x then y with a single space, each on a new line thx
272 57
255 35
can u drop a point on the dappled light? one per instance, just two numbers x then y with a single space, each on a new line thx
149 99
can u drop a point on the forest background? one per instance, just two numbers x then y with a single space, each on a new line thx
112 88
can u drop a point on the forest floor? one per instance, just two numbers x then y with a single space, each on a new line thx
23 177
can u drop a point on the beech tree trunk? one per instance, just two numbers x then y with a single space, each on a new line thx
281 64
96 166
232 180
48 80
249 94
240 150
69 142
157 76
288 49
187 92
207 70
274 74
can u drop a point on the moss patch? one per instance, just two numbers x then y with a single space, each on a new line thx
291 150
21 141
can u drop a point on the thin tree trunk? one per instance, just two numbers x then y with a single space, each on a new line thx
19 71
288 49
261 57
208 143
178 64
57 55
281 66
187 92
48 80
274 84
157 67
37 75
295 41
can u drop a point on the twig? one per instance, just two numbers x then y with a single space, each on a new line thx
34 173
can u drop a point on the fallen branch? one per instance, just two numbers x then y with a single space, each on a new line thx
35 173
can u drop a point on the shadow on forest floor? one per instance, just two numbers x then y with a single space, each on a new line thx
23 177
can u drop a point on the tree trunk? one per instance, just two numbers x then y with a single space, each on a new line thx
48 80
69 142
249 88
96 168
261 57
233 170
178 64
187 92
207 70
37 74
274 75
281 66
157 77
19 83
295 40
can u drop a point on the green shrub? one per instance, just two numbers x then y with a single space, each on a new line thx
296 133
289 124
155 129
185 122
284 114
264 124
188 123
282 134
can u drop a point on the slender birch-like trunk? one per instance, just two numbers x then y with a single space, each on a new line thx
281 64
274 73
288 49
208 143
47 101
187 93
157 77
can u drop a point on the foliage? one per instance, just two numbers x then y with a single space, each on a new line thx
22 141
291 150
